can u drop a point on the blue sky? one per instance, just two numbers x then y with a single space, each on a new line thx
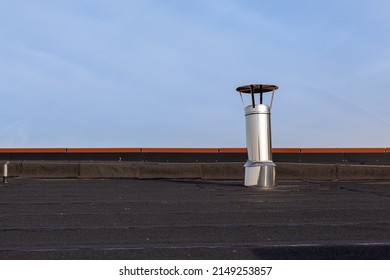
163 73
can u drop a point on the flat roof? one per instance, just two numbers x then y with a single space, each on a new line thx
193 219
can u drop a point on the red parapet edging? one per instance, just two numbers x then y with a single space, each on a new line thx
232 150
103 150
195 150
31 150
180 150
286 150
342 150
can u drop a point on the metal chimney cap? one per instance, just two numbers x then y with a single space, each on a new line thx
257 88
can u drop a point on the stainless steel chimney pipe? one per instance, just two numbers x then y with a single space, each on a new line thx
259 169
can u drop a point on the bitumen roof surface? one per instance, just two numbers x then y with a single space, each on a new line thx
193 219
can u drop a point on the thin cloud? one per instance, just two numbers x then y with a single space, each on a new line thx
118 73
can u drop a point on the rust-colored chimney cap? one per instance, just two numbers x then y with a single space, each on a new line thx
256 88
